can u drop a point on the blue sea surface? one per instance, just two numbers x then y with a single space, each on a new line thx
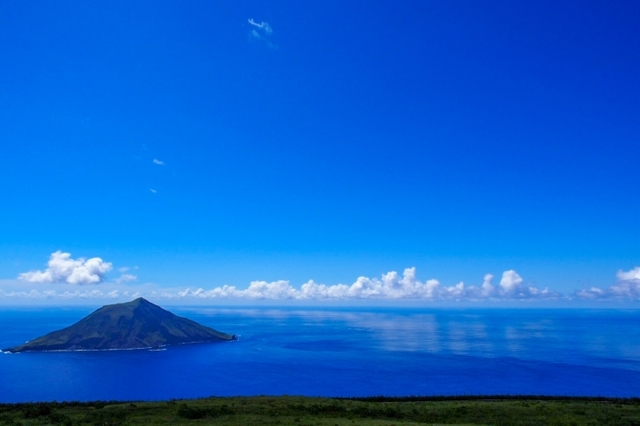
340 352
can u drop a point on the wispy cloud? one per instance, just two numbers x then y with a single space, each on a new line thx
125 278
153 191
262 25
626 287
62 268
69 295
158 162
261 32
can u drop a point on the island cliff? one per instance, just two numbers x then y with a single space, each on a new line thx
134 325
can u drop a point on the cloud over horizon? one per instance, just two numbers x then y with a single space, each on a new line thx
627 287
62 268
35 294
391 286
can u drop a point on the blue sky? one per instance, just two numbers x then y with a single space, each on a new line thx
204 144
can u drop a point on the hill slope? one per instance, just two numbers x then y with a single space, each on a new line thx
133 325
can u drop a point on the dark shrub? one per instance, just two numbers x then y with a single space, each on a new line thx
60 419
108 417
33 411
191 413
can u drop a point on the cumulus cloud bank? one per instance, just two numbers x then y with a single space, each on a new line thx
626 287
61 268
389 286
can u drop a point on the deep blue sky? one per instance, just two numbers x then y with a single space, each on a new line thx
457 137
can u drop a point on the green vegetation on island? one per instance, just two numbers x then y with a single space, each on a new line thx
134 325
299 411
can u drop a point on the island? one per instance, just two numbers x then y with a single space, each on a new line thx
138 324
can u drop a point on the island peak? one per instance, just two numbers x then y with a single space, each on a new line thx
136 324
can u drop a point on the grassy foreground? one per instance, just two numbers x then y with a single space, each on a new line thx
332 412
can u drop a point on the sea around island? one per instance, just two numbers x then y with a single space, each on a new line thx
339 352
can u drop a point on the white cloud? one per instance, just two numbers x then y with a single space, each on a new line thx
631 275
125 278
510 280
512 286
488 288
264 26
68 295
261 32
627 287
158 162
153 191
255 34
62 268
390 286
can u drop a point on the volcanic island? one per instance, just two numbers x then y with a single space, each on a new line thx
138 324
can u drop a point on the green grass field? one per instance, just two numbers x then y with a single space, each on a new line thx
332 412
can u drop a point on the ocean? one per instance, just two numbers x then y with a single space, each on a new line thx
340 352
